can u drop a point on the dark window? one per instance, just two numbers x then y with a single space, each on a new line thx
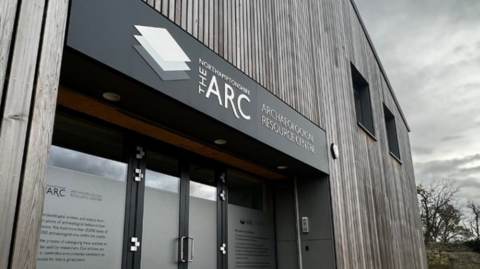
363 107
391 132
246 191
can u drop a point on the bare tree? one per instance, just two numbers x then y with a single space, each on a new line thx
450 226
474 221
440 218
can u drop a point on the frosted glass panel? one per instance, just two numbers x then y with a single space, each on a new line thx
161 213
83 218
251 240
203 217
203 228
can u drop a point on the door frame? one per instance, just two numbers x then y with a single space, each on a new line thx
136 196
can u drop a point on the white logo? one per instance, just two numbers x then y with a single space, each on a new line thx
162 53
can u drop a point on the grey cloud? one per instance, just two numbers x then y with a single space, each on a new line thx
465 196
470 183
452 137
469 189
470 87
467 193
459 49
464 11
470 170
423 150
469 59
446 168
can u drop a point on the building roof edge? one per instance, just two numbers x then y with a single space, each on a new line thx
379 63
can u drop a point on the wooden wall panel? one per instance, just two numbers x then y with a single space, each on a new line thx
30 81
32 194
301 51
15 118
262 38
7 18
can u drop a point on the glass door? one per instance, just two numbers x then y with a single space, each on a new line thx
84 209
251 225
202 221
181 214
161 212
113 202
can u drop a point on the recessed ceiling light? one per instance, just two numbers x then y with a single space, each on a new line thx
282 167
220 141
110 96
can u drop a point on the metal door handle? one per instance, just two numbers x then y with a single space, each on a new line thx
181 248
193 249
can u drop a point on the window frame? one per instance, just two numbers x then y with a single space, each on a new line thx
362 102
391 133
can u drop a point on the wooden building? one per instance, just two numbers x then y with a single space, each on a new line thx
200 134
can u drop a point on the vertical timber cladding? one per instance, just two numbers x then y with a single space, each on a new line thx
365 176
31 45
139 42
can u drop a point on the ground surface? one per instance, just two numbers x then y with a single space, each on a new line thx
452 256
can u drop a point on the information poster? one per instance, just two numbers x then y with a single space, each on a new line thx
251 241
83 219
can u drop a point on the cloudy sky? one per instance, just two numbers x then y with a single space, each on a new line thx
430 50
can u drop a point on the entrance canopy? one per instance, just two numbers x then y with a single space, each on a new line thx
165 76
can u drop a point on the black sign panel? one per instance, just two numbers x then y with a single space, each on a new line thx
134 39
